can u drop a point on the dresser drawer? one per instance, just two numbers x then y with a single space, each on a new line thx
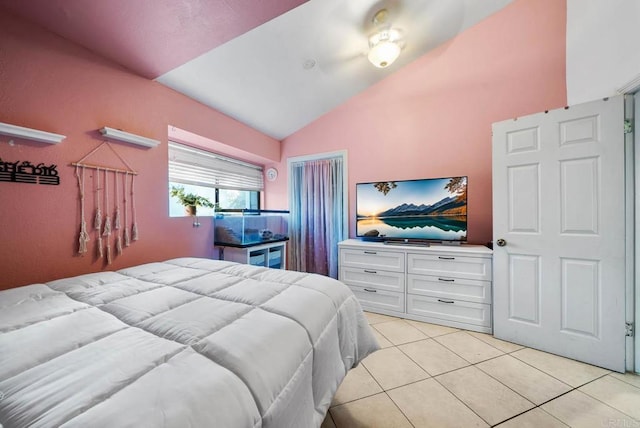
448 309
452 266
373 278
372 259
370 298
470 290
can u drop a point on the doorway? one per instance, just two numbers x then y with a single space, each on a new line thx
318 209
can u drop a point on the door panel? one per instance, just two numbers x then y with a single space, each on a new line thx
579 180
524 198
559 203
524 301
580 130
524 140
581 284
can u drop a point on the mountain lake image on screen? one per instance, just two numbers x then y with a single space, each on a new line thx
433 209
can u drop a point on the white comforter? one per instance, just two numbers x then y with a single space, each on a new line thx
184 343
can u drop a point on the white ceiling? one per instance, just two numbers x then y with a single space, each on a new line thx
260 78
246 58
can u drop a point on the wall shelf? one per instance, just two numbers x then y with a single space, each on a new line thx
116 134
30 134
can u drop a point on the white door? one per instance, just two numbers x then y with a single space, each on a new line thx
559 211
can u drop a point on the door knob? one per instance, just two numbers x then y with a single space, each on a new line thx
501 242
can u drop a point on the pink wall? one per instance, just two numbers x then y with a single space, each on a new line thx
433 118
50 84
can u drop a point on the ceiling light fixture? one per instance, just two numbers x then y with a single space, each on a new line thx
384 47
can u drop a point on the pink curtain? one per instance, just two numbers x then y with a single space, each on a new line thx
316 216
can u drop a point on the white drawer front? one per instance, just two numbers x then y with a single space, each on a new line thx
457 310
377 260
371 298
373 278
450 266
470 290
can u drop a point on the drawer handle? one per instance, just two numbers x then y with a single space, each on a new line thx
374 291
446 279
445 301
370 271
446 258
370 252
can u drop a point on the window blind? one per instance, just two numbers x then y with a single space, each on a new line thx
189 165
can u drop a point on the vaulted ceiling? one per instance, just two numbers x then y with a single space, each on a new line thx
275 65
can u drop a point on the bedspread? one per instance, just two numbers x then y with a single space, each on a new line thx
183 343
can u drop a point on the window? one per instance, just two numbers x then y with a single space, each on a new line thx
229 182
228 199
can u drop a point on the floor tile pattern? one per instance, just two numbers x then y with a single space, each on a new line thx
428 375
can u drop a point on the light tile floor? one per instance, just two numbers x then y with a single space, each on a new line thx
428 375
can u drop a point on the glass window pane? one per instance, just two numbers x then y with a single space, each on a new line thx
238 199
176 209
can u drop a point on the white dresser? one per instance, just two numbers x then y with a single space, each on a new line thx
441 284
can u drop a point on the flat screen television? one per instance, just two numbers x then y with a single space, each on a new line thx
430 209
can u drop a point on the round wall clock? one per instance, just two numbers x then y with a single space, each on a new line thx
272 174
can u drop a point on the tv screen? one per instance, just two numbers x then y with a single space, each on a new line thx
432 209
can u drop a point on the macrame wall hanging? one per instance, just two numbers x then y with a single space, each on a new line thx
104 179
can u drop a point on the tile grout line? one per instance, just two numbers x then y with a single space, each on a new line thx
414 362
507 386
398 407
536 406
369 396
597 399
366 396
390 389
384 391
549 374
573 388
530 410
622 380
432 376
411 341
470 365
459 331
381 334
331 417
486 342
463 403
520 395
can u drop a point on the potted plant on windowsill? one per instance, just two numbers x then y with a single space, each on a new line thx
190 200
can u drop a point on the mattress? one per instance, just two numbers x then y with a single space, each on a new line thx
183 343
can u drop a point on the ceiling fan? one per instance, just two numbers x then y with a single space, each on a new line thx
349 33
352 36
386 42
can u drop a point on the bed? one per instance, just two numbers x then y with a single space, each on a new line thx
183 343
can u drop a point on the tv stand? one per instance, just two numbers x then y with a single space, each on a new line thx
451 243
448 285
408 242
